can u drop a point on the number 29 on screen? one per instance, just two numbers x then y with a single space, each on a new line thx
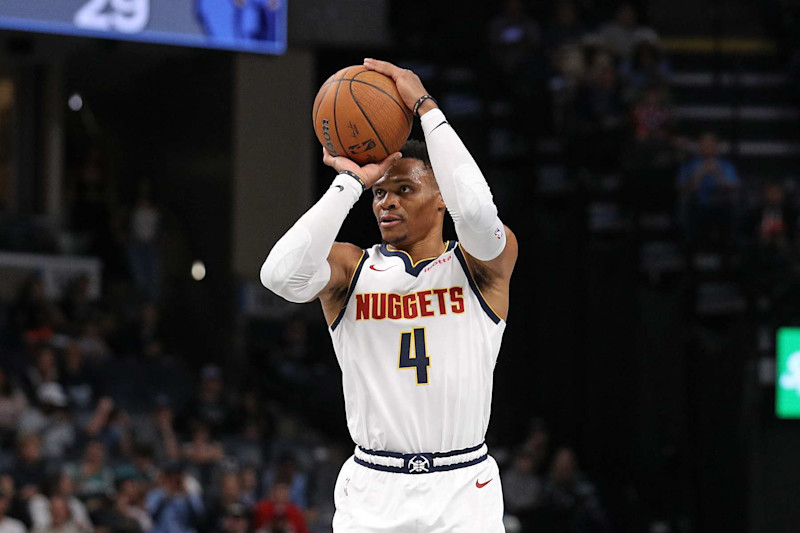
124 16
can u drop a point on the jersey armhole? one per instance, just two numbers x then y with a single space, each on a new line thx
474 286
350 288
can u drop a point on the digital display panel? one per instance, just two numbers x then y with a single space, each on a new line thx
787 386
246 25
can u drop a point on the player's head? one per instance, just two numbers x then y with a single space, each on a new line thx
406 199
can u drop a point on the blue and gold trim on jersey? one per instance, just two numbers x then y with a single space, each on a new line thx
351 287
412 267
474 286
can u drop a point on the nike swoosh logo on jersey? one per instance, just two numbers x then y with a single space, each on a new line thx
372 267
340 187
481 485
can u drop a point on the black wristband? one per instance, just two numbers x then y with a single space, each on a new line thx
422 99
355 177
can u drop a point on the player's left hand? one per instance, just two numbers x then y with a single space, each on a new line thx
408 83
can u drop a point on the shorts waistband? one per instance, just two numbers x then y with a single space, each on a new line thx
420 463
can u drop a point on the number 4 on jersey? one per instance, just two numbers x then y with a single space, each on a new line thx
420 361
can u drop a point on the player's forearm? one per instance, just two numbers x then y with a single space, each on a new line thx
297 268
464 189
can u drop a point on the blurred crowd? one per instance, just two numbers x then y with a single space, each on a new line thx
593 82
545 490
601 87
102 430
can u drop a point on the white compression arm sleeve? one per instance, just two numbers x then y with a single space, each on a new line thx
464 189
297 266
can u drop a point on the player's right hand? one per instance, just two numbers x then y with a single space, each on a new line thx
370 173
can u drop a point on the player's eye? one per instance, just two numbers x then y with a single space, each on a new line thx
378 192
405 188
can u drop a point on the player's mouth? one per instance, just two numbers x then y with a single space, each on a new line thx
389 221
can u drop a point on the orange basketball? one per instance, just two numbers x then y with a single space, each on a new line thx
359 114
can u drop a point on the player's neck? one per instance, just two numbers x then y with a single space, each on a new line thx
431 246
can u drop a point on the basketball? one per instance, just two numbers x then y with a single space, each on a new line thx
359 114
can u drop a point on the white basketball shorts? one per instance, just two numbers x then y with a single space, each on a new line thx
464 500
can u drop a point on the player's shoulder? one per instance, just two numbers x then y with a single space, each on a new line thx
346 253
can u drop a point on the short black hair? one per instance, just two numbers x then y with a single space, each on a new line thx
414 149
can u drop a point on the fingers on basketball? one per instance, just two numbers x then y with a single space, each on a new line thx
384 67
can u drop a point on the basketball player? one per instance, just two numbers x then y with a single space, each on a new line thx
416 325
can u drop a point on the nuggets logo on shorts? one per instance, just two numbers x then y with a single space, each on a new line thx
417 465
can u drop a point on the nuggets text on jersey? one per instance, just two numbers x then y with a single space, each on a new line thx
427 303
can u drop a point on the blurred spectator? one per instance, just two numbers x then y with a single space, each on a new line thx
12 404
236 519
77 306
278 511
775 221
61 520
599 118
94 347
652 156
285 471
44 370
254 424
512 35
537 446
570 500
708 186
652 117
229 495
143 241
141 332
145 464
29 470
51 420
210 405
93 478
59 485
772 229
647 67
90 200
325 472
174 507
111 427
623 33
8 524
156 431
566 28
248 477
80 383
123 516
522 489
129 500
202 453
34 316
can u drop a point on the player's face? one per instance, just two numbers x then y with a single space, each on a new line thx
406 202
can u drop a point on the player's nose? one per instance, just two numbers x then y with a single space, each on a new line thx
389 201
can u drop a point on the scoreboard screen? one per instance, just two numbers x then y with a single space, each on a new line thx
246 25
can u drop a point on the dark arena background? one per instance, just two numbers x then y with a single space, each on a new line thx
646 154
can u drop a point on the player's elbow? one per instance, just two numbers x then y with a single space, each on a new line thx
267 274
291 280
272 279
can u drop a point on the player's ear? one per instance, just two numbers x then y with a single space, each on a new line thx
440 205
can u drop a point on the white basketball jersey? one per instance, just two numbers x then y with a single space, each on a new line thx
417 345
